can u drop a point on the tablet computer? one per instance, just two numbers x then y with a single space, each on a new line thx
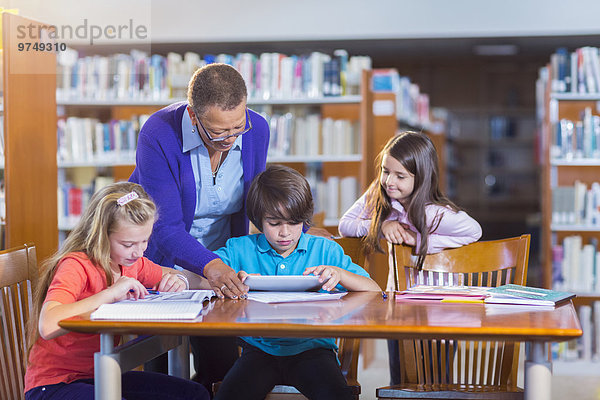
284 283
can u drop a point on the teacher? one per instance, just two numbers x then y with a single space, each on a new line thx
196 159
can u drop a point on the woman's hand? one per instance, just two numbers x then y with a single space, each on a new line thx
223 280
171 283
327 273
127 288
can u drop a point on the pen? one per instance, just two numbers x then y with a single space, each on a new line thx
150 291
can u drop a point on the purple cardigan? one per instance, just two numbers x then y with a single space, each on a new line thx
166 174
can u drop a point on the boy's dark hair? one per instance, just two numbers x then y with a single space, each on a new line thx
279 192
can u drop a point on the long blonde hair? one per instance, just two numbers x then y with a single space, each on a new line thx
417 154
90 236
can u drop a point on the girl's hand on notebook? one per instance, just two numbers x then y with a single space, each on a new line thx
327 273
127 288
171 283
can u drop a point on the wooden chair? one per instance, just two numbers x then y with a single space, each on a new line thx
18 272
452 369
348 347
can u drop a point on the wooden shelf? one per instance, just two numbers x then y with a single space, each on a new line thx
30 174
164 102
97 164
578 162
574 228
316 158
575 96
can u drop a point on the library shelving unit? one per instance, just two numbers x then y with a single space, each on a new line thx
558 171
29 110
354 108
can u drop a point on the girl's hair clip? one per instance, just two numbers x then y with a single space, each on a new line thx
127 198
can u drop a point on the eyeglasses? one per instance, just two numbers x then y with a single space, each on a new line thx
220 139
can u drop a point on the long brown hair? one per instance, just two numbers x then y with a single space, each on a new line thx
90 236
417 154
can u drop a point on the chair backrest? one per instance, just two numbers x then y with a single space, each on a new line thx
486 263
18 272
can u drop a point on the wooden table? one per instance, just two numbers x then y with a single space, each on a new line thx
362 315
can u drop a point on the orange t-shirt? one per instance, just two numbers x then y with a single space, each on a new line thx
71 356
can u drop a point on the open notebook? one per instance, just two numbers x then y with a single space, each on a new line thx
164 306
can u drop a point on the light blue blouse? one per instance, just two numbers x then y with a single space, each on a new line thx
215 201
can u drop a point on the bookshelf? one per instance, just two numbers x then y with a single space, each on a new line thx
324 168
569 128
29 111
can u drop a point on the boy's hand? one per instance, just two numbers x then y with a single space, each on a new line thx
171 283
327 273
223 280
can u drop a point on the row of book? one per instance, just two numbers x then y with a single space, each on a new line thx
577 139
141 76
576 266
576 205
72 199
88 139
412 106
311 135
575 72
332 196
587 347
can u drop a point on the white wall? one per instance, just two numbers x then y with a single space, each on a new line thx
239 20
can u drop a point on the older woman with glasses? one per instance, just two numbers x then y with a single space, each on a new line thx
196 159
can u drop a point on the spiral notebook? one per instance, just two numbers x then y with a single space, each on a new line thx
164 306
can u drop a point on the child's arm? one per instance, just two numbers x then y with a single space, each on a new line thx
54 311
332 275
398 233
355 222
455 229
195 280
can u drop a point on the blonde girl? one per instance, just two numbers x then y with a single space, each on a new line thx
101 261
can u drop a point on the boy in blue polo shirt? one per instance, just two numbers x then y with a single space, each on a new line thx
279 204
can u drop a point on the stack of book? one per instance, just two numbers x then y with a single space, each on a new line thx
505 294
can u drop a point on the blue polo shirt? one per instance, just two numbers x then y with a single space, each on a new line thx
255 255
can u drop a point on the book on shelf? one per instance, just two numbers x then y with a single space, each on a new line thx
577 72
587 347
576 140
576 205
576 266
163 306
526 295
